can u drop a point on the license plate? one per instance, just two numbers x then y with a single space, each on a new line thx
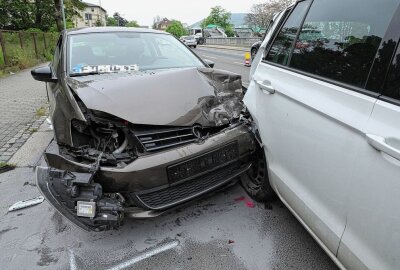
203 163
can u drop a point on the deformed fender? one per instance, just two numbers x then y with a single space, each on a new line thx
42 182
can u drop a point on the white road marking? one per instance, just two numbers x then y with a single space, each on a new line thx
146 254
72 261
211 57
238 63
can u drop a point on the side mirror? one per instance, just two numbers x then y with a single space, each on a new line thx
209 63
43 74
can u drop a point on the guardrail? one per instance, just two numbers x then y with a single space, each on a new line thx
235 41
23 49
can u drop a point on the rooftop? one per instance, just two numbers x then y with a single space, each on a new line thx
94 5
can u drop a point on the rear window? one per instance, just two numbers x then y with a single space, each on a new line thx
282 46
339 39
392 86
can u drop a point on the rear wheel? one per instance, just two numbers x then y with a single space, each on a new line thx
256 182
194 46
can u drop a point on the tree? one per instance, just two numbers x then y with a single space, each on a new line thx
99 22
40 14
16 15
261 14
156 20
71 9
111 21
176 28
132 24
120 20
220 17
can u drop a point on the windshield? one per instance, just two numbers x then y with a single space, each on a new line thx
125 52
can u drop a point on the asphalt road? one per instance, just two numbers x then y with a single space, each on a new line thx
224 230
226 59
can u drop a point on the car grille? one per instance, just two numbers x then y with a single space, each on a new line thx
159 138
170 196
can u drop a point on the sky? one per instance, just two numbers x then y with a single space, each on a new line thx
186 11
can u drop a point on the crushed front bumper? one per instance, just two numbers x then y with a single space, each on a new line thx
149 185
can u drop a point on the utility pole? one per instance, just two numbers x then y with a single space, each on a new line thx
63 14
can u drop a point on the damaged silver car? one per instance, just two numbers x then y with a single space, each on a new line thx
142 124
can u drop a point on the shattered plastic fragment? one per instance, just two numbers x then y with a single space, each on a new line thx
231 242
247 202
240 199
250 204
26 203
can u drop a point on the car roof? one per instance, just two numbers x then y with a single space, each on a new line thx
88 30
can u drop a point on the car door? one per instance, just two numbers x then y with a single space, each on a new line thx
372 236
312 105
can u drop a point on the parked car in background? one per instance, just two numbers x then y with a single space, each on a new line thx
325 97
254 49
190 41
141 124
256 46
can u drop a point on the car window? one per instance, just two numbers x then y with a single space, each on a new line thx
339 39
392 85
125 51
282 46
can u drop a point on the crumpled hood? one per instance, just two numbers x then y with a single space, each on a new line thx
176 97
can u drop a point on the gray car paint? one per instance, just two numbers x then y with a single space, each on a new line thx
176 97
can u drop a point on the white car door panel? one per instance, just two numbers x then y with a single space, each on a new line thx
332 147
309 123
372 236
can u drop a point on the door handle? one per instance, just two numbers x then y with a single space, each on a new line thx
379 143
265 86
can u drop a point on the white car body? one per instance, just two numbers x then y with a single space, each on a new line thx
333 153
190 41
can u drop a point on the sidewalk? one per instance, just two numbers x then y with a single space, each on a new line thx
20 111
226 47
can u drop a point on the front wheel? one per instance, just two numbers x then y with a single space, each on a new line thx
194 46
255 181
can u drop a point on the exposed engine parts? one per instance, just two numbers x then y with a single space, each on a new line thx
79 193
120 142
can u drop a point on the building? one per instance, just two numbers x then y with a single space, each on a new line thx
91 15
163 24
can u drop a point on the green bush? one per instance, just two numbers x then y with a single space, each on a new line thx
25 57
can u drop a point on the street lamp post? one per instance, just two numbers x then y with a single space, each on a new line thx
63 14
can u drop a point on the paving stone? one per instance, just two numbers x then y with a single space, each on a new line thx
21 96
4 158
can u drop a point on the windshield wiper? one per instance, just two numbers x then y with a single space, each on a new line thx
84 74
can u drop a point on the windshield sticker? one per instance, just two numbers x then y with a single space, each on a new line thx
81 68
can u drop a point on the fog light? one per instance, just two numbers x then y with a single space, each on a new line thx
86 209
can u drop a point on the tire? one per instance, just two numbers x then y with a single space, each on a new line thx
255 181
195 46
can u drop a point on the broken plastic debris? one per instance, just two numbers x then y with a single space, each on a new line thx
231 241
250 204
240 199
247 202
48 120
26 203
